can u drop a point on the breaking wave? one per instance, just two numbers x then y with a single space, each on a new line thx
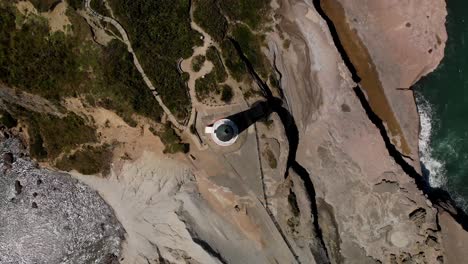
433 168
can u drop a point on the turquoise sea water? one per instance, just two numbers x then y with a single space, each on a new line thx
442 99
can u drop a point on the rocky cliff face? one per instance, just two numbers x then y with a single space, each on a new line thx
319 184
49 217
392 44
369 209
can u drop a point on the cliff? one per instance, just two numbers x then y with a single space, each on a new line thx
329 175
392 44
360 143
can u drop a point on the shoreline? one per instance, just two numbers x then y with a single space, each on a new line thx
440 198
367 72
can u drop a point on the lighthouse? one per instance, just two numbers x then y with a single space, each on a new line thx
224 132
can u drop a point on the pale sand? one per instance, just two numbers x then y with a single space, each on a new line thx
58 20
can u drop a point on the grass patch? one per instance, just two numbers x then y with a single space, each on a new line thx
160 33
172 142
209 17
89 160
212 54
197 62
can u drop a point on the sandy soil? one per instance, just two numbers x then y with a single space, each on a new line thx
58 20
25 8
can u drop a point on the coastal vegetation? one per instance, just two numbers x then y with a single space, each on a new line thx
252 13
100 7
46 5
206 86
122 88
172 142
51 135
233 62
240 21
208 15
212 54
210 84
251 45
226 93
89 160
160 33
197 62
56 65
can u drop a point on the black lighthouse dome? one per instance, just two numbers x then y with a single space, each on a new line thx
225 132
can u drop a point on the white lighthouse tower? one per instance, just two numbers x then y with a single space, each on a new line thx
224 132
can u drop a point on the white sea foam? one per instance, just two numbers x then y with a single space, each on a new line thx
436 168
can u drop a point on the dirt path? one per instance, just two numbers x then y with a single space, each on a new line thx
126 40
186 66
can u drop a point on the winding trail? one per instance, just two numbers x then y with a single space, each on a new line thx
136 62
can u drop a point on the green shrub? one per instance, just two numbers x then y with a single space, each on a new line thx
43 5
122 88
252 12
76 4
251 47
100 7
160 33
89 160
206 86
234 63
212 54
226 93
172 141
208 16
61 134
197 62
36 61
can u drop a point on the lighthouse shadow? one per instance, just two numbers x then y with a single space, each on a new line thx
245 119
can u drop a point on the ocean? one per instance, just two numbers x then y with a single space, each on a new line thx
442 99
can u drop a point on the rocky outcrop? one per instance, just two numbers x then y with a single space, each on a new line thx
174 215
392 44
335 193
370 210
49 217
